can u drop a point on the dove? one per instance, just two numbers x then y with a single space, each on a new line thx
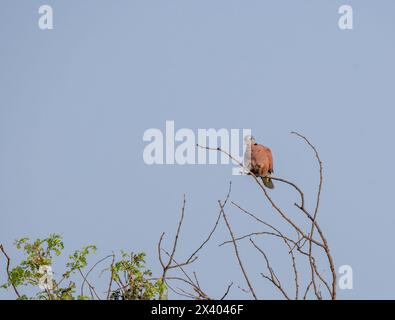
259 160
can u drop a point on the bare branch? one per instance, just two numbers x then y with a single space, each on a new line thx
90 270
227 291
302 236
235 246
273 277
8 270
326 247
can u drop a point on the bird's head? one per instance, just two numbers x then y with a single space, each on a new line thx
249 140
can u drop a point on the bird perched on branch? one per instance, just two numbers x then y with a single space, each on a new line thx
259 160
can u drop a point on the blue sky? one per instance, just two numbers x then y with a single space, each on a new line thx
75 102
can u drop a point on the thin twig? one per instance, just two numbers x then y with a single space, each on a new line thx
235 246
273 277
227 291
8 270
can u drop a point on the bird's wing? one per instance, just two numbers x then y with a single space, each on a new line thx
262 159
270 157
258 158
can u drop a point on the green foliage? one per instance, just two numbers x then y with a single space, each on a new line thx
78 260
39 255
134 279
129 273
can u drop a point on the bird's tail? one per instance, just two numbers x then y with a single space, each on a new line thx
267 181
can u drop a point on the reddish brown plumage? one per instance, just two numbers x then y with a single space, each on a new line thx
261 160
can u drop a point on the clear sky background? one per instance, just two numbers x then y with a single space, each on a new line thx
75 102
